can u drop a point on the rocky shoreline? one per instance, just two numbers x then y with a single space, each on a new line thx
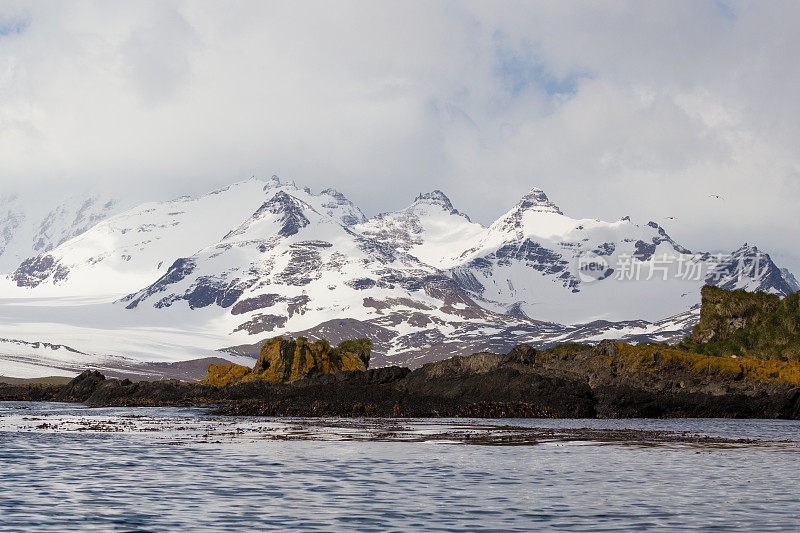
610 380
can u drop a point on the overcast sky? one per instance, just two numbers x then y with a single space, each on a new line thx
614 108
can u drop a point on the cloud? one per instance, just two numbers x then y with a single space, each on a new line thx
159 57
637 108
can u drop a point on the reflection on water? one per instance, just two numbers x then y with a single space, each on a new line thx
64 467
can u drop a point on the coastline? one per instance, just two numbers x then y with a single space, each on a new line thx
610 380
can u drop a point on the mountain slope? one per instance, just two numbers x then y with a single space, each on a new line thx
288 266
791 281
535 261
125 252
30 226
430 229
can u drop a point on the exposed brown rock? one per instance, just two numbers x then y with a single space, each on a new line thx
288 360
285 361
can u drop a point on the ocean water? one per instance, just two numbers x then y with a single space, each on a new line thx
65 467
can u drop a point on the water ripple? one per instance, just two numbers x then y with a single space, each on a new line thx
59 480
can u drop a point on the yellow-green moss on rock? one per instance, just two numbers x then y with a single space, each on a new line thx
656 359
288 360
221 375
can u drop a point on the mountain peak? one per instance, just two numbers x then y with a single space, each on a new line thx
536 200
350 215
746 249
290 215
281 201
440 199
274 182
435 197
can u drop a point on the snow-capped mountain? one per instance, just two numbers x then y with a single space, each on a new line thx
794 285
290 266
265 257
134 248
30 226
431 229
539 262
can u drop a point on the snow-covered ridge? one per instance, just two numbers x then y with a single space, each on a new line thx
430 228
790 279
265 257
30 225
132 249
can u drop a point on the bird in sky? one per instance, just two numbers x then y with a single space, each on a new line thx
717 196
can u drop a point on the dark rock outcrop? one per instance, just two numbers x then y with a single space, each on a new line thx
609 380
81 388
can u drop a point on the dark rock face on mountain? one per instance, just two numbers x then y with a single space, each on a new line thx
739 323
790 280
177 271
34 270
289 211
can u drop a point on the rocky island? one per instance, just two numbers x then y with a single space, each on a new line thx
712 373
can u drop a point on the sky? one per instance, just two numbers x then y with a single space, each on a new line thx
647 109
